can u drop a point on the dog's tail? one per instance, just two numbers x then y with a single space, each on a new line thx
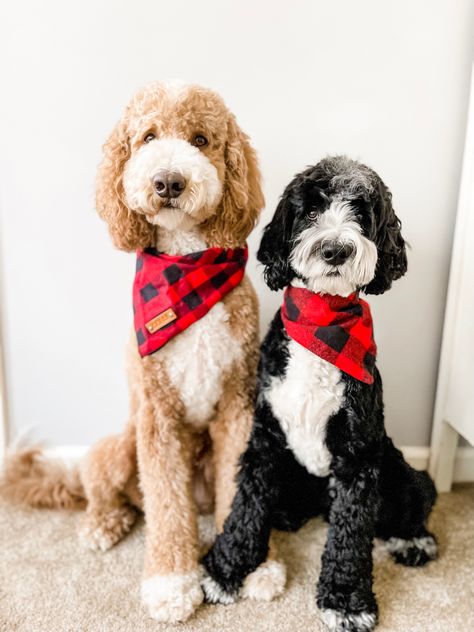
29 478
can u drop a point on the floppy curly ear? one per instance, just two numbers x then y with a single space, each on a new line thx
129 230
391 248
274 250
242 198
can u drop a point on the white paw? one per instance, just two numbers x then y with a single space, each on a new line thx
425 543
338 622
215 594
266 582
95 539
172 598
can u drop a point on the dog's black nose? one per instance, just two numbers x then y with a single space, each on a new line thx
335 252
168 184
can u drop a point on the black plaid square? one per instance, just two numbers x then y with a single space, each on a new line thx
291 309
353 309
173 273
369 362
140 337
148 292
192 300
221 258
219 279
332 335
139 264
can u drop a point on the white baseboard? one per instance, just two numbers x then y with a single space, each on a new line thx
417 457
464 465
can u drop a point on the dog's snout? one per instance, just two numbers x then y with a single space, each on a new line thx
336 252
168 184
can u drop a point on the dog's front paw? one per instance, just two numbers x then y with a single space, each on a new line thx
339 622
266 582
172 598
100 531
214 593
413 552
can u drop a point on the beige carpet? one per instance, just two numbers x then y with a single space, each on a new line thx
49 584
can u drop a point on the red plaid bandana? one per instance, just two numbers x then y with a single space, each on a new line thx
171 293
336 328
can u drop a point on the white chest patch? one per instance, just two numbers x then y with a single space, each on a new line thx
196 361
302 401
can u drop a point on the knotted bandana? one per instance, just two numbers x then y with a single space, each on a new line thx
170 293
336 328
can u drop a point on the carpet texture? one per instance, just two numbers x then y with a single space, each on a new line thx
49 584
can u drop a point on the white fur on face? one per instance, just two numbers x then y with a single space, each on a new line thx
203 188
336 223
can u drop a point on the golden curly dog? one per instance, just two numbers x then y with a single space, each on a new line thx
191 401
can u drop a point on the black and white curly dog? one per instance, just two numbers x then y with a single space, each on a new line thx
318 443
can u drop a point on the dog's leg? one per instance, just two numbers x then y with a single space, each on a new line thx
230 432
171 586
345 595
407 499
244 543
106 473
268 580
109 474
230 429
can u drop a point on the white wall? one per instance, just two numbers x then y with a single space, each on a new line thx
382 81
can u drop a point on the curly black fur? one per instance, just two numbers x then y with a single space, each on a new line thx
370 491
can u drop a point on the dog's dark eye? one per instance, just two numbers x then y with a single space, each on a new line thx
200 140
148 137
313 213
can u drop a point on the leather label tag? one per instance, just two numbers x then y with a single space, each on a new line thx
160 321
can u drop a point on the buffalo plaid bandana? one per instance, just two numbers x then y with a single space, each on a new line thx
170 293
336 328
